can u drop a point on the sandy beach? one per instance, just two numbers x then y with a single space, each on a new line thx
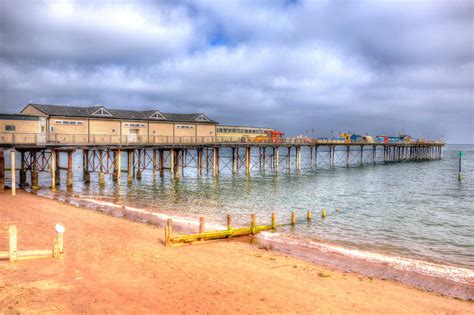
115 265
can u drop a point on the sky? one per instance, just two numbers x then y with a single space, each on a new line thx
302 67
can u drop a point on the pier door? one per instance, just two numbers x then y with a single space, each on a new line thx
42 130
133 137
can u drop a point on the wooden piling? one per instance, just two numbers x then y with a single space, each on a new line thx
53 170
253 224
276 158
201 225
288 158
308 215
172 161
247 160
12 241
129 166
139 166
154 163
215 166
101 169
298 157
323 213
2 171
162 162
168 232
23 169
293 218
13 171
273 220
86 175
119 164
69 169
229 222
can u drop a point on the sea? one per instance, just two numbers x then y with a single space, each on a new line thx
411 222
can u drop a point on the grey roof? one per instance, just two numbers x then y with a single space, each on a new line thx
18 117
78 111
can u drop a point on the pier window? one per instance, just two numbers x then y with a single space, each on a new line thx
134 125
184 127
10 128
69 122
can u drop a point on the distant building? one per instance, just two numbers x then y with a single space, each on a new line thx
241 131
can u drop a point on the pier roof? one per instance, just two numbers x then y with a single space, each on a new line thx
99 111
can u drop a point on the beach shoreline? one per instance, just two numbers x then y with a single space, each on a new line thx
111 264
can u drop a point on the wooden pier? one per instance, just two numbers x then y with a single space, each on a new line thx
213 155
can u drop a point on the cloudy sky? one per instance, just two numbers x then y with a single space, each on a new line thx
363 66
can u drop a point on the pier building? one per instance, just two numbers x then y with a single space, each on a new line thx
117 141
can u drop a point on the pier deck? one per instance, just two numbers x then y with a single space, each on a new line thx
103 155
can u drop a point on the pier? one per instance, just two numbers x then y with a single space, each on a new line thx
212 155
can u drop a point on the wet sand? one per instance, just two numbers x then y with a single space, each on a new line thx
115 265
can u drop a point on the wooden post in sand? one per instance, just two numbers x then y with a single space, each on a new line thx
274 221
201 225
308 215
229 222
2 171
168 232
253 224
12 241
13 171
293 218
55 247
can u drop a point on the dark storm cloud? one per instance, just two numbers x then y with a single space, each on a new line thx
368 67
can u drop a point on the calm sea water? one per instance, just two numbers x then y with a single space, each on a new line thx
416 210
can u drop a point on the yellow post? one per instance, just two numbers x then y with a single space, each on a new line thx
55 247
253 224
201 225
273 220
168 232
323 213
12 240
229 222
308 215
293 218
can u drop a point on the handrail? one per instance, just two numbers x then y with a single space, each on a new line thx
109 139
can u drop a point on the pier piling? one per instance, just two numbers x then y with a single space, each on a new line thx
2 171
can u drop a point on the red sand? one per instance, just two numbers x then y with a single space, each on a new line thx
114 265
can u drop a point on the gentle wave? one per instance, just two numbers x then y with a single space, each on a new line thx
457 274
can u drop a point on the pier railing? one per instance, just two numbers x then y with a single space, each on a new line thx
108 139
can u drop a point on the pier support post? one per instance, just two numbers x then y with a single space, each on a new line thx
316 156
234 166
298 157
119 164
101 169
247 160
161 154
85 167
215 169
13 171
253 224
34 172
53 170
139 166
264 157
347 155
23 170
69 169
154 164
361 155
171 162
199 153
177 158
276 158
129 166
58 168
374 154
288 159
274 220
114 165
2 171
